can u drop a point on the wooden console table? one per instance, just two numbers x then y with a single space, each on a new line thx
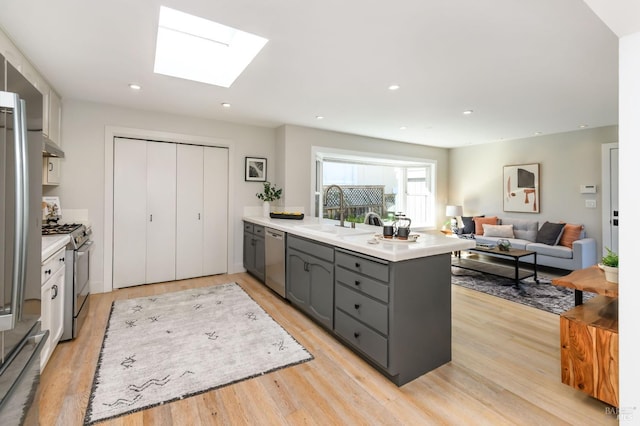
589 336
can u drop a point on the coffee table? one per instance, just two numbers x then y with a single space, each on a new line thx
513 270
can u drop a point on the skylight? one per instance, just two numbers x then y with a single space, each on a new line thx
197 49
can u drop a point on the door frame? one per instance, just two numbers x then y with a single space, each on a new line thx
606 194
112 132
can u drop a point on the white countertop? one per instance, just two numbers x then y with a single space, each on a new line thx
428 244
52 243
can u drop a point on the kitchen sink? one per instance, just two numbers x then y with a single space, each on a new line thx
330 229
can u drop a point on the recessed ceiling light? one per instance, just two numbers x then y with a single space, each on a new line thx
537 133
197 49
134 86
226 105
319 117
403 128
583 126
394 87
468 112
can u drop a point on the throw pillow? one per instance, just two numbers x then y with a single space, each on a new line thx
523 229
570 234
469 226
479 221
549 233
502 231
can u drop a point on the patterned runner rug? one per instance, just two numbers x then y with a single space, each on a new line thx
162 348
542 295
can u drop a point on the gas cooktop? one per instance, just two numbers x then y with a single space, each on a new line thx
55 229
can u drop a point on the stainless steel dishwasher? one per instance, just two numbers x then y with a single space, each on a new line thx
274 260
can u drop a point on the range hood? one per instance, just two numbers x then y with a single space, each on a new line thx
50 149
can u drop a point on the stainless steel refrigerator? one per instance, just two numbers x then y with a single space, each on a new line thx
21 339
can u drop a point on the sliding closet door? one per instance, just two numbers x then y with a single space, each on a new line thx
129 212
189 211
216 201
161 213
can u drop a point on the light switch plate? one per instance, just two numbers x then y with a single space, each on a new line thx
590 204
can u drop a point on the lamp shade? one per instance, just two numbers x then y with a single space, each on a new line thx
453 211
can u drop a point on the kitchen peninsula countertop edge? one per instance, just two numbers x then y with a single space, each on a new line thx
429 243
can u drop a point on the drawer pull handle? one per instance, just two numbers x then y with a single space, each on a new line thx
357 283
357 306
61 259
357 265
48 271
55 292
356 334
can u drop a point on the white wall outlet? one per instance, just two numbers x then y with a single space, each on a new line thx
590 204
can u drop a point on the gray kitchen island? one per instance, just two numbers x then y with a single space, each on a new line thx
387 300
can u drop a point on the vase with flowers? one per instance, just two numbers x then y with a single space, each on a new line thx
269 194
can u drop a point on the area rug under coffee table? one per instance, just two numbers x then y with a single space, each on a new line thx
542 295
162 348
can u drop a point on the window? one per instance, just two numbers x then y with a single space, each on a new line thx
385 187
418 196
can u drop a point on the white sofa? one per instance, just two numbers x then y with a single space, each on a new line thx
581 255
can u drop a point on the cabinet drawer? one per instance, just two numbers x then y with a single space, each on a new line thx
248 227
362 283
52 265
379 271
315 249
363 308
362 337
258 230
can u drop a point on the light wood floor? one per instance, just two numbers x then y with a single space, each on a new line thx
505 370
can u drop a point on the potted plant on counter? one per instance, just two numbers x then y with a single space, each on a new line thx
269 194
610 266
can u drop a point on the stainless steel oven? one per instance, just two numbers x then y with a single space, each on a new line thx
77 285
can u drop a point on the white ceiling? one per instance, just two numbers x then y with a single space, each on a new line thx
522 66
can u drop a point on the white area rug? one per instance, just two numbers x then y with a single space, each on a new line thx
162 348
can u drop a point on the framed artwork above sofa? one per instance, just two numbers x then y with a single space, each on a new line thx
521 188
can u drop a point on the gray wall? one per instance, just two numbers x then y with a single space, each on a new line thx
83 169
567 160
295 144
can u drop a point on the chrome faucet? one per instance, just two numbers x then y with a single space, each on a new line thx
326 193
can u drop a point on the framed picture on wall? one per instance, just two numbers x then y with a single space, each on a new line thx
255 169
521 188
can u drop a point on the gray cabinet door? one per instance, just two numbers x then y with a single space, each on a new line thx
310 286
259 258
321 291
297 279
253 253
248 252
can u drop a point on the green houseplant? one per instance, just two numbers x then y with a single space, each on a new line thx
610 266
269 193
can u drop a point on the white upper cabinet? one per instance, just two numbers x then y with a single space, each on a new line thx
50 171
51 104
54 118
